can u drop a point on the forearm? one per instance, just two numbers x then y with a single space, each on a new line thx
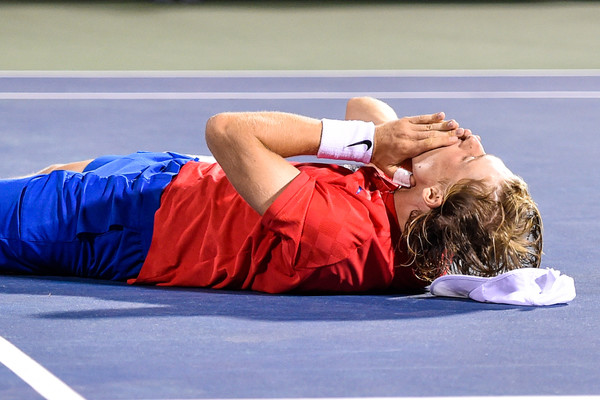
251 148
286 135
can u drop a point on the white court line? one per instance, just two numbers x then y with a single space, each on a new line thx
295 95
52 388
36 376
534 397
409 73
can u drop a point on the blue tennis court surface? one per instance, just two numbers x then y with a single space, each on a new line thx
113 341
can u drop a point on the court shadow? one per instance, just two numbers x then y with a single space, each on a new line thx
84 299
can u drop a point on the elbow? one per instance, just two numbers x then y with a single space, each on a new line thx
216 125
355 105
217 128
354 101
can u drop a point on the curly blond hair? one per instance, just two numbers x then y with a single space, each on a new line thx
477 230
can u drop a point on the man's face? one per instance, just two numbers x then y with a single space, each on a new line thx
463 160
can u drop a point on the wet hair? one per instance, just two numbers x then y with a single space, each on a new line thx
477 230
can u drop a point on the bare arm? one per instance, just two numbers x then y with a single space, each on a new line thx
370 110
77 166
251 147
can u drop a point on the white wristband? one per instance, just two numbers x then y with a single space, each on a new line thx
347 140
402 177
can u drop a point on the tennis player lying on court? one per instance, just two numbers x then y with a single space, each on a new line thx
256 221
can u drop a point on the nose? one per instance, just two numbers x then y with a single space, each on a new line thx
472 145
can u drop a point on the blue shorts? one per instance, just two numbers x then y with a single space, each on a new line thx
93 224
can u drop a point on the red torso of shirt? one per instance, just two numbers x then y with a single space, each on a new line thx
330 230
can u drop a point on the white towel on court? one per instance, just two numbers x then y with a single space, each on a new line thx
525 286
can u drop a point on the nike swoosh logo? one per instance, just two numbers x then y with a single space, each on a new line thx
366 142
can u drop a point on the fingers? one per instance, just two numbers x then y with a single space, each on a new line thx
427 119
449 136
469 133
440 126
434 124
434 141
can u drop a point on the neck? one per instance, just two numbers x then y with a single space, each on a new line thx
405 202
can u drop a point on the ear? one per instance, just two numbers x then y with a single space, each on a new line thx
433 196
